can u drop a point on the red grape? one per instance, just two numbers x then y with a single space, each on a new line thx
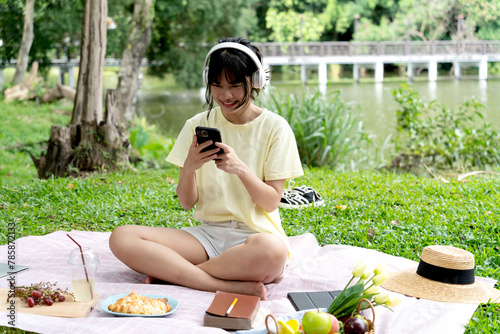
355 325
40 293
31 301
36 294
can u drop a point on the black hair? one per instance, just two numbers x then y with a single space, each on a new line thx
238 67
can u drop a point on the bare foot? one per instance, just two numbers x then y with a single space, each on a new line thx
243 287
247 288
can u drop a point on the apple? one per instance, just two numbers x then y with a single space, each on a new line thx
317 322
335 324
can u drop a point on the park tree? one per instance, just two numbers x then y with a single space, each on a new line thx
137 44
56 34
53 37
27 40
92 141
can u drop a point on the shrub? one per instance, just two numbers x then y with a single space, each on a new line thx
432 134
328 131
149 148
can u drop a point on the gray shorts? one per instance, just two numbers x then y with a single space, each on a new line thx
219 237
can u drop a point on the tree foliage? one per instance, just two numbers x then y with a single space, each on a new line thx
57 29
430 20
11 27
53 37
382 20
184 30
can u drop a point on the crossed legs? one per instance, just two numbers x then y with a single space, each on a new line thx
177 257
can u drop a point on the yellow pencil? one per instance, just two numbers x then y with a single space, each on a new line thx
231 307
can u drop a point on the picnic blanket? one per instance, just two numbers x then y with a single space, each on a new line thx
313 268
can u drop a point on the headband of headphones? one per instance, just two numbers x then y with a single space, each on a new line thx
258 77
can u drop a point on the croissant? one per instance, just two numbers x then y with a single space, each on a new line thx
135 303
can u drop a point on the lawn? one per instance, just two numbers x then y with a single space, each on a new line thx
398 214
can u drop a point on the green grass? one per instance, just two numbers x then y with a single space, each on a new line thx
397 214
25 127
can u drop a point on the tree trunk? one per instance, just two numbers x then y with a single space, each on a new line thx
89 143
138 41
88 100
24 50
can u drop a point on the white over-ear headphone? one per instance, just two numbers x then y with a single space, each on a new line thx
258 77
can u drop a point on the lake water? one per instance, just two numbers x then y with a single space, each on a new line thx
170 109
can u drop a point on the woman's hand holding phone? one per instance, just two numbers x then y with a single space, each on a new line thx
229 160
197 157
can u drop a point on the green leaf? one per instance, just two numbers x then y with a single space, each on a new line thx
346 298
153 147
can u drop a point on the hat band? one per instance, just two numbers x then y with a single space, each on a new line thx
445 275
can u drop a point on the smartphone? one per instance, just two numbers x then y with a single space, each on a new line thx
204 133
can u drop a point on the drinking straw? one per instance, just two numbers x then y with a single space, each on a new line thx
84 266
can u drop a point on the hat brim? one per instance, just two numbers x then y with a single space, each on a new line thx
409 283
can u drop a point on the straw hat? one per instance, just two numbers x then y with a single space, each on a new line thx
444 274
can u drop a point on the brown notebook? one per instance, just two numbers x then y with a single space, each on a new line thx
241 316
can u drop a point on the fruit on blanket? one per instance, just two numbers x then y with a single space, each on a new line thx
289 327
36 294
30 301
355 325
317 322
362 318
335 324
43 293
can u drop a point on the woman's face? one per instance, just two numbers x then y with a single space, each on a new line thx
228 95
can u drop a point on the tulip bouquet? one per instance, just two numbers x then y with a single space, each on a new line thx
367 286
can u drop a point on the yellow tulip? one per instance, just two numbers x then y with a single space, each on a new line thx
366 273
393 301
380 279
381 298
359 269
380 268
374 289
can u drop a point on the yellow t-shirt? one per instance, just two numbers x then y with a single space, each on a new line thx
266 145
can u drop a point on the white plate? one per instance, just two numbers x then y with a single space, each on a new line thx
112 299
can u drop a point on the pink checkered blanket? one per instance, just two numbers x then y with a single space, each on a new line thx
313 268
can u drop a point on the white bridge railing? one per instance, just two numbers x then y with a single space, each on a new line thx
359 54
352 49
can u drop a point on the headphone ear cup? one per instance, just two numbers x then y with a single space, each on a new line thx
259 79
205 75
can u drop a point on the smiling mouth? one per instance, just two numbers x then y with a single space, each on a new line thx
229 105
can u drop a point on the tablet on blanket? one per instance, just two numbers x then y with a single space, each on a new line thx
312 299
10 269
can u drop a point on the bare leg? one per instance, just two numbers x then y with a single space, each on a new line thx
172 255
261 258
